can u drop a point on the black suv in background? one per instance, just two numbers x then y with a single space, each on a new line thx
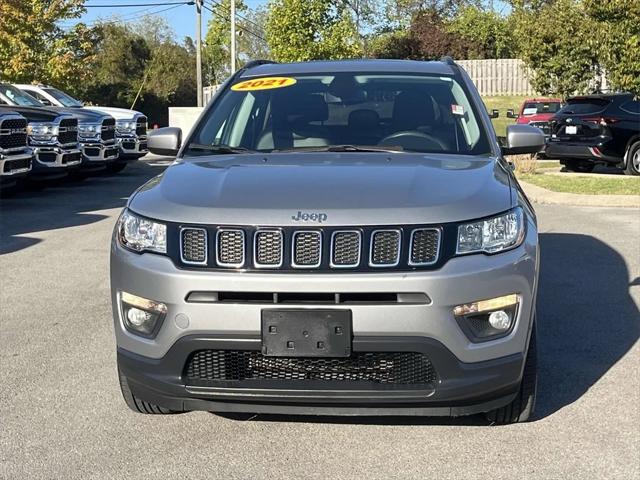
597 129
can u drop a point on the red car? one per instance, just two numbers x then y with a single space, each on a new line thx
537 112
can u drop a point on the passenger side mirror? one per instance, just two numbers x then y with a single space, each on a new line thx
165 141
522 139
512 114
494 113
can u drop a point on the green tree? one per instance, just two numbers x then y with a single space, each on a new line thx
617 33
300 30
34 47
488 33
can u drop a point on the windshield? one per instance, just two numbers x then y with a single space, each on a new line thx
18 97
536 108
63 98
416 113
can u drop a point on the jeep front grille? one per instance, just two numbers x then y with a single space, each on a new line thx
209 367
68 131
322 249
193 245
385 248
230 248
108 129
268 246
307 249
13 133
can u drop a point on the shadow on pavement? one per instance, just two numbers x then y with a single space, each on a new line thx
587 322
65 204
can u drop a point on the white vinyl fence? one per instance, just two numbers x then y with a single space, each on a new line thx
505 76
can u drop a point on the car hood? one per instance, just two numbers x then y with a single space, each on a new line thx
83 116
349 188
117 113
47 114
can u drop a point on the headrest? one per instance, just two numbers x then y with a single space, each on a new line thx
307 108
412 109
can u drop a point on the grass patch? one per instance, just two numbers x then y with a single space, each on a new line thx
585 185
503 103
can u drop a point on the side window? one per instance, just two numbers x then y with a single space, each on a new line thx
632 107
44 100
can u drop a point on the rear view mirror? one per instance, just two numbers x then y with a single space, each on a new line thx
494 113
165 141
512 114
522 139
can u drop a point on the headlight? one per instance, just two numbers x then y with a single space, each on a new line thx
89 129
493 234
139 234
42 131
126 125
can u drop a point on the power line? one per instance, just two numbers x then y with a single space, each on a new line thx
129 18
189 2
244 29
214 3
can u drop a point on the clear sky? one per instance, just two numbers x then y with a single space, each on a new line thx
182 18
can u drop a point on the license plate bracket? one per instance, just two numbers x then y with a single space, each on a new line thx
306 333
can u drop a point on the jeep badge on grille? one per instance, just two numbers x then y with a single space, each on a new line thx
309 217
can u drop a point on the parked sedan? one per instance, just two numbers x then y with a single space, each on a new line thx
597 129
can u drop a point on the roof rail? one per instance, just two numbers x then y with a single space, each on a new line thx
255 63
448 60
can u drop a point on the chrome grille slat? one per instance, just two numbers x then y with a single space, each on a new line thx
230 247
193 245
385 248
424 246
307 249
268 248
346 248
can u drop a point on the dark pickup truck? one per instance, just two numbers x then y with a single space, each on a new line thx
15 155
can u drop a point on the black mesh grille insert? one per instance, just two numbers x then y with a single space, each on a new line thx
194 245
68 131
385 249
269 244
306 249
12 165
424 246
408 368
231 247
141 126
108 129
13 133
346 249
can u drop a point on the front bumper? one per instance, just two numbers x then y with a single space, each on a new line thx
98 154
596 152
472 377
15 166
132 146
54 162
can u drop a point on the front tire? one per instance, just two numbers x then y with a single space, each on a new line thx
521 408
633 160
138 405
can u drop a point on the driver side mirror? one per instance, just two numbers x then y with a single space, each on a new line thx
494 113
165 141
512 114
522 139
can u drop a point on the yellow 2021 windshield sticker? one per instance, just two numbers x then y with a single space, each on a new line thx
263 84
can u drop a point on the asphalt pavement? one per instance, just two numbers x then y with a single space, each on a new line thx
62 416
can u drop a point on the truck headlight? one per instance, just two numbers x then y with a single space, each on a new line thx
492 235
89 130
141 234
126 126
42 131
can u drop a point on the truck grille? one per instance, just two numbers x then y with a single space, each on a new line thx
13 133
425 244
141 126
230 248
108 129
268 248
325 249
307 249
68 131
193 245
385 248
206 367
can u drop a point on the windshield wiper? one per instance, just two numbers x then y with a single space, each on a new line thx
222 149
344 148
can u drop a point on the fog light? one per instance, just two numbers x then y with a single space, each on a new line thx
500 320
141 315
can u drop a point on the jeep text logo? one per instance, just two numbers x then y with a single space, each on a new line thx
309 217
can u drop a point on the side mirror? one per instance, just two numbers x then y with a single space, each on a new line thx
512 114
523 139
165 141
494 113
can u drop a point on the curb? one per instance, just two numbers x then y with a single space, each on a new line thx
547 197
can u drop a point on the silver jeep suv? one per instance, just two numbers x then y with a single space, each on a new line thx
333 238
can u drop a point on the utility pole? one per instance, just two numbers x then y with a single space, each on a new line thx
199 50
233 37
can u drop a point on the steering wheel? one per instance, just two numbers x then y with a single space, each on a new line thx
414 140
